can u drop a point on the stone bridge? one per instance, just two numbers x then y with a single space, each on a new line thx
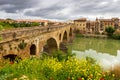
32 41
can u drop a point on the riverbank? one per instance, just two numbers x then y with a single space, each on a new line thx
91 36
95 36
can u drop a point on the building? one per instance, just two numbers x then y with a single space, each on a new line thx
97 26
81 24
92 27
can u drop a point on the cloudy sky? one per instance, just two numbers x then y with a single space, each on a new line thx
59 9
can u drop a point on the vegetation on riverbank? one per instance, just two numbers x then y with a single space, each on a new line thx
55 68
112 33
6 25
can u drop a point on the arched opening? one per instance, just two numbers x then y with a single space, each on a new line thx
32 49
51 45
63 47
11 57
70 36
60 37
65 37
70 33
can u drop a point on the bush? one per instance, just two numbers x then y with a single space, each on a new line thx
62 56
110 30
116 36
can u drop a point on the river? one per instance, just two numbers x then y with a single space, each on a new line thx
104 51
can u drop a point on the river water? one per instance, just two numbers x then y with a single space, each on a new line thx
104 51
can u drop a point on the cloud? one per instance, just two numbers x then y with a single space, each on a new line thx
61 9
12 6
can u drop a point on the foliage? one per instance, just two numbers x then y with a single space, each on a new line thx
90 60
6 25
24 24
116 36
51 68
22 45
79 35
110 30
60 55
9 19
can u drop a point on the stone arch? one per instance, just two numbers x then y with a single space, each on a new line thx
59 36
62 45
33 49
70 33
65 37
11 57
50 46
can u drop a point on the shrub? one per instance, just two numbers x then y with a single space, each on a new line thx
116 36
60 55
22 45
110 30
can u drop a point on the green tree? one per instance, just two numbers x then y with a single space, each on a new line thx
9 19
110 30
34 24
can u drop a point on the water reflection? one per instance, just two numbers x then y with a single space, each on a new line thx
100 45
106 60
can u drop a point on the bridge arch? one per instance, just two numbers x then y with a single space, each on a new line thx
33 49
50 45
70 33
59 36
65 37
11 57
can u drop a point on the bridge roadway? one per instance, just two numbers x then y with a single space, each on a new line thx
17 33
29 41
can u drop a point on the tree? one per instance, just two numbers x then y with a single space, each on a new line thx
8 19
110 30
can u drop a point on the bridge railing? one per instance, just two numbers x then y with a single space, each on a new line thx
17 33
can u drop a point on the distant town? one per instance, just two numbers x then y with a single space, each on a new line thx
82 24
97 26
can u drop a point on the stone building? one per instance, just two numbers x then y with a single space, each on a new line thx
81 24
92 27
97 26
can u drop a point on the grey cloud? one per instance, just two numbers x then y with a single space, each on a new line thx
52 9
16 5
51 12
91 7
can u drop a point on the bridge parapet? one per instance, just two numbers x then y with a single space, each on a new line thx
14 34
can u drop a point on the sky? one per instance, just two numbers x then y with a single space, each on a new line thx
59 9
